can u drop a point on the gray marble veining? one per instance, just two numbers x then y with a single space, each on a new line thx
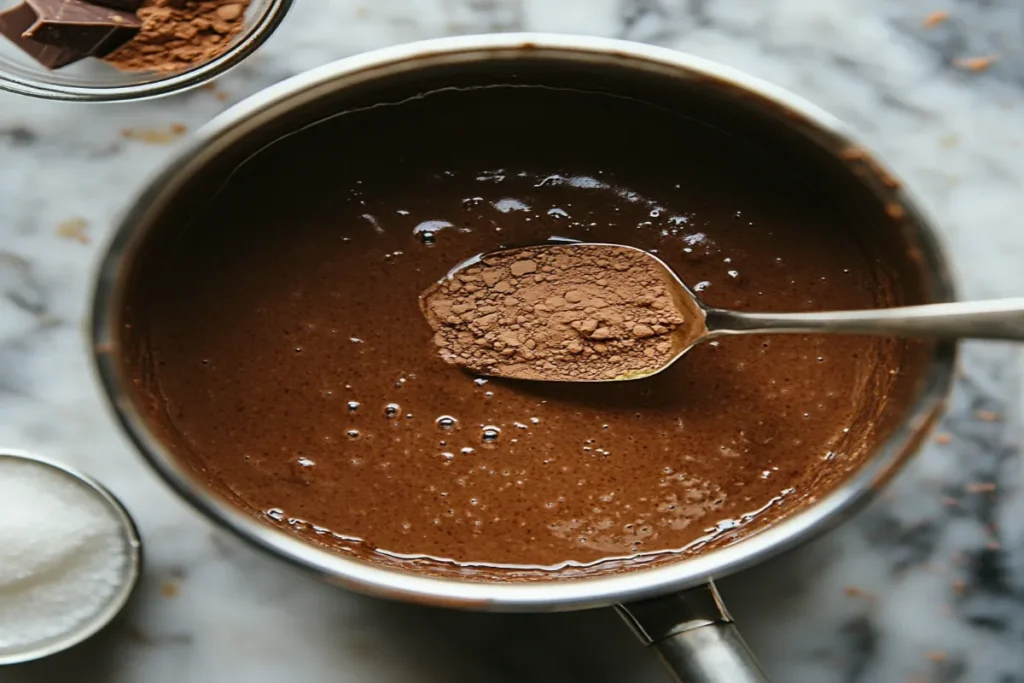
927 584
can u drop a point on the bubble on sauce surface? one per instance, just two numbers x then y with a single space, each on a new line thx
446 423
510 204
427 231
491 176
392 410
490 434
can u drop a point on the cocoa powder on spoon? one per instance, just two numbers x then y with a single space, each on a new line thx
589 312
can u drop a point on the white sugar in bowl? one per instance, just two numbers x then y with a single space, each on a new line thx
70 557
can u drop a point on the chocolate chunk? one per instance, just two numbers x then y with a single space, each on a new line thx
59 32
87 29
15 21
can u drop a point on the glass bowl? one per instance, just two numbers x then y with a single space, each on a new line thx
92 80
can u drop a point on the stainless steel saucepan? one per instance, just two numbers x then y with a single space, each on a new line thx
672 607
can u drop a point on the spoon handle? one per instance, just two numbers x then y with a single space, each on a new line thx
996 319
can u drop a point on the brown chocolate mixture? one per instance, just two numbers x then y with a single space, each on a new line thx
582 312
285 348
177 34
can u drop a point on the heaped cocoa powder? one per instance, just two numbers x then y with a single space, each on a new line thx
178 34
563 313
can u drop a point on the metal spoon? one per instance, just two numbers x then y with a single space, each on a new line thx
993 319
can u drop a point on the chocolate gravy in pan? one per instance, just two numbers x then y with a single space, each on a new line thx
285 350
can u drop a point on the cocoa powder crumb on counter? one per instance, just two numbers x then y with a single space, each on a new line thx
219 94
74 229
980 487
933 19
860 593
155 136
177 34
943 438
975 63
581 312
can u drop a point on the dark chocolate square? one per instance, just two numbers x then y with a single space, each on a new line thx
13 24
80 26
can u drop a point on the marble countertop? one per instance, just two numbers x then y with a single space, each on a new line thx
925 585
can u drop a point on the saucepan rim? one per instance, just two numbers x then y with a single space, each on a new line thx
541 596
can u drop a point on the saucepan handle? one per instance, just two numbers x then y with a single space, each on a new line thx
695 637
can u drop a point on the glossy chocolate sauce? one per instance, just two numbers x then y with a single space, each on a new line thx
286 351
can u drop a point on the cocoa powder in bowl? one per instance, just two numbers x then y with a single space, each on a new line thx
178 34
